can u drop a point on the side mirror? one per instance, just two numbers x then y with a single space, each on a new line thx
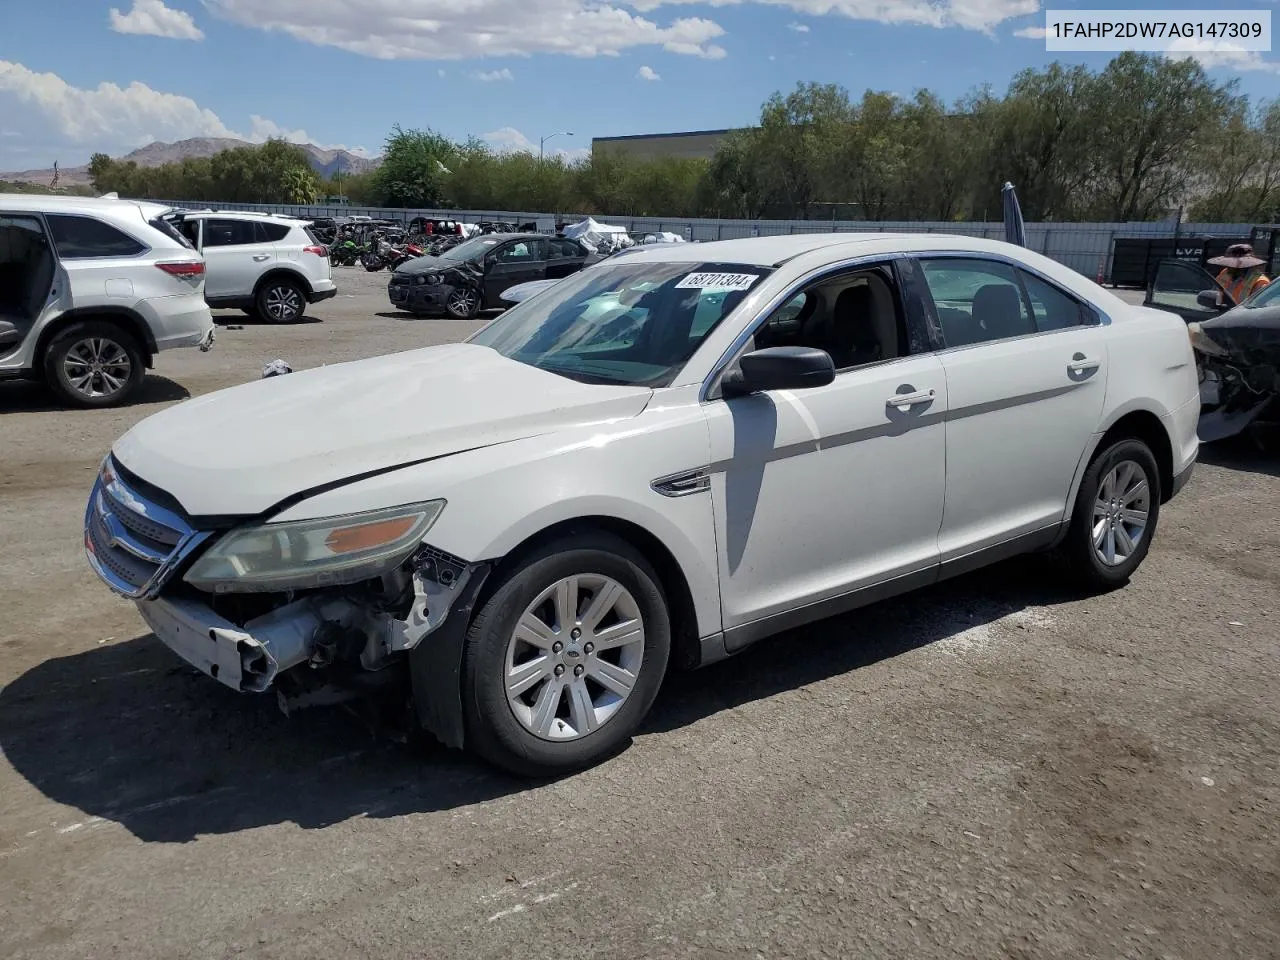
1209 300
779 368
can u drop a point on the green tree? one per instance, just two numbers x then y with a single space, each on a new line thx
413 169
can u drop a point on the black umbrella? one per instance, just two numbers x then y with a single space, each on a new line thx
1015 231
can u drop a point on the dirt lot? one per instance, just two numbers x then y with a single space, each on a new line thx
994 768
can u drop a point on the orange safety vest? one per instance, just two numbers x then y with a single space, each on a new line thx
1242 287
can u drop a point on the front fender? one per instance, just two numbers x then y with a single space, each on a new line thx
501 495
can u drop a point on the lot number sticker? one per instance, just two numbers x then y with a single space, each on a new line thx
717 281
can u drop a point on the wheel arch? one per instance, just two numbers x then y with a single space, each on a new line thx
685 648
1145 425
283 273
122 316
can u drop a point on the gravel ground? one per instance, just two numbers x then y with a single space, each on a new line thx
994 768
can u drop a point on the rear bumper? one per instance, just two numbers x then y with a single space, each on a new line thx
318 295
180 322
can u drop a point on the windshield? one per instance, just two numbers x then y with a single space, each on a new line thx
1266 297
472 249
627 322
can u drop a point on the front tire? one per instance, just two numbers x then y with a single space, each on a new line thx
463 303
1115 515
94 364
280 301
565 658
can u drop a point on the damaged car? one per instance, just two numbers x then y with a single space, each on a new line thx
1237 347
1239 358
473 275
651 465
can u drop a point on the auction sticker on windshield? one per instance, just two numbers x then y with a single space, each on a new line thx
717 281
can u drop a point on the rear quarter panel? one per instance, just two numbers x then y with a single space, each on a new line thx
1153 368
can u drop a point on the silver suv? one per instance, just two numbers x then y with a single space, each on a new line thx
90 290
268 266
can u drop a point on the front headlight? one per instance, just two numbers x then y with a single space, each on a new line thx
1200 341
271 557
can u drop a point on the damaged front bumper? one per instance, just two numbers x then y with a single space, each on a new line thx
321 630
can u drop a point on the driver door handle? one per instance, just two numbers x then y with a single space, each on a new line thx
1082 364
910 399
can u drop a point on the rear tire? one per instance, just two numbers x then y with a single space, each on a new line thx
1115 516
94 364
280 301
563 702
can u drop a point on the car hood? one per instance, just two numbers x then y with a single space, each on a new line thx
428 264
243 450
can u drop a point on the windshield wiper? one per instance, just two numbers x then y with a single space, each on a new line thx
583 377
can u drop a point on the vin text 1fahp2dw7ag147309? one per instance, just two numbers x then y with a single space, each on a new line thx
649 465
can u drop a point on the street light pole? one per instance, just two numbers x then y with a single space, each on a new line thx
543 141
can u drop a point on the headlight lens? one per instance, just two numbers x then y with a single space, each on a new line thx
313 553
420 279
1200 341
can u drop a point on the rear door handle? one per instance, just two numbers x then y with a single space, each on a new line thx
1082 364
259 257
910 399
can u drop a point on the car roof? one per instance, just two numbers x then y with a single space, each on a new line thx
55 203
777 250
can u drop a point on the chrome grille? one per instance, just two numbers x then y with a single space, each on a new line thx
133 544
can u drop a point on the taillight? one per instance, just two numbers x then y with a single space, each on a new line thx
318 251
183 268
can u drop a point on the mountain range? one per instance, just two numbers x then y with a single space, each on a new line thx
324 162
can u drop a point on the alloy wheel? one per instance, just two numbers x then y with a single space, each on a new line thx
1121 512
574 657
283 303
462 302
97 367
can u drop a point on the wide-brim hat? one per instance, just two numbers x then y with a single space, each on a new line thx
1239 256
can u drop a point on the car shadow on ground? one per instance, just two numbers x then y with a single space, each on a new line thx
29 396
1257 450
127 733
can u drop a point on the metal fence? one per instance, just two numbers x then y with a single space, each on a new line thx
1084 247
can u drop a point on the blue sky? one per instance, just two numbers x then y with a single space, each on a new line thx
78 76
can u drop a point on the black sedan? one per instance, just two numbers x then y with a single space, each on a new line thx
472 276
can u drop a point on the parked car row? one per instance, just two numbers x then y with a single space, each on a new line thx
91 289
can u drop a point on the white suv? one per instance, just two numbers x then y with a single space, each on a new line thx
90 290
268 266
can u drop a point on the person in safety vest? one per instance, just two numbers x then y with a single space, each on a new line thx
1240 277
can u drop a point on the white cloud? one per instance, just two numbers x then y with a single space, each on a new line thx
1031 33
57 119
967 14
153 19
647 73
488 76
467 29
1242 61
798 27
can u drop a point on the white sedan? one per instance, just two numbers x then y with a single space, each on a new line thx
532 527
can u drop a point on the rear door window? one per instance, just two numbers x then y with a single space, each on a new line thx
85 238
275 231
231 233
